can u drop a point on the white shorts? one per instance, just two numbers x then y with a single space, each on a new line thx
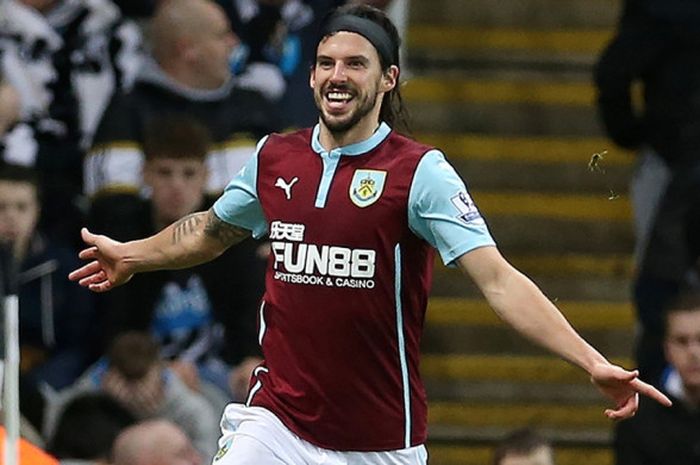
255 436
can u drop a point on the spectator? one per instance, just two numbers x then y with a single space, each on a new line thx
155 442
133 374
661 436
203 317
97 413
524 447
656 45
65 59
54 314
189 75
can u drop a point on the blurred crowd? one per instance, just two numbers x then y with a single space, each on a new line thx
126 116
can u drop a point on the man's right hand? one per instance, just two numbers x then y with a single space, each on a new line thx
107 268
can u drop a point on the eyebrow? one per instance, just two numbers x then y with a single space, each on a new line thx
362 58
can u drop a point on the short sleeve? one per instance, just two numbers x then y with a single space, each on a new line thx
441 211
239 204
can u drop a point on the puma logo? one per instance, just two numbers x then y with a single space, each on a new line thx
286 186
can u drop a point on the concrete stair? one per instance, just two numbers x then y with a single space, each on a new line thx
504 88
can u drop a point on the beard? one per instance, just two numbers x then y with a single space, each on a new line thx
365 104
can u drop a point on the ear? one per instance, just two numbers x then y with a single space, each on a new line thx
390 78
312 77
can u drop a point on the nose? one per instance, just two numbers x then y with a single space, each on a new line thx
339 72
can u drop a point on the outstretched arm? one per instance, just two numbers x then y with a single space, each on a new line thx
520 303
194 239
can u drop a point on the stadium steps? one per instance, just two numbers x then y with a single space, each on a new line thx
505 89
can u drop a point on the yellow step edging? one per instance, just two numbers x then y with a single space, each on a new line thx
458 90
549 150
603 207
504 368
582 315
564 264
482 455
610 265
516 415
464 39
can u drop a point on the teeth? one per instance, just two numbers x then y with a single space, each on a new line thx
339 96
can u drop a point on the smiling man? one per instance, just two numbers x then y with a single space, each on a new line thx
353 211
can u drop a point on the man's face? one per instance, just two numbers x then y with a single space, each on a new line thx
211 48
682 345
346 80
540 456
177 186
19 211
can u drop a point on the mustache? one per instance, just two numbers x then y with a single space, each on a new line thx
338 88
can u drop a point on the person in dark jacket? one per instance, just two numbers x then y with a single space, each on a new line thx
663 436
54 314
188 74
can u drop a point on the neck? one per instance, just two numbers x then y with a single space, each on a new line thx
186 77
19 250
692 394
361 131
159 222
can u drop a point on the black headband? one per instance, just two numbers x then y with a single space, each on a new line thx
368 29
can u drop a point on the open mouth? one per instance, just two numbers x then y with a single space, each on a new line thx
338 99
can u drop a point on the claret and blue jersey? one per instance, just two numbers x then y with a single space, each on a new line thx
352 233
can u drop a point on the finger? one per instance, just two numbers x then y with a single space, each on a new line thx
104 286
89 253
651 392
626 410
93 279
84 271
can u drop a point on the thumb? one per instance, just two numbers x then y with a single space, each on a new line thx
626 375
88 237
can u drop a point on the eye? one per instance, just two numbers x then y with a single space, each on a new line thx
164 172
324 64
22 207
189 173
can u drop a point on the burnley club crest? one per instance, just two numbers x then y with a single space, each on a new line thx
366 187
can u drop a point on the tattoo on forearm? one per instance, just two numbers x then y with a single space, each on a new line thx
186 225
225 233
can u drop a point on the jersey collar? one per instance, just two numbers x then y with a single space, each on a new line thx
357 148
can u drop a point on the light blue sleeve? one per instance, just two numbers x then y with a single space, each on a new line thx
239 205
441 211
